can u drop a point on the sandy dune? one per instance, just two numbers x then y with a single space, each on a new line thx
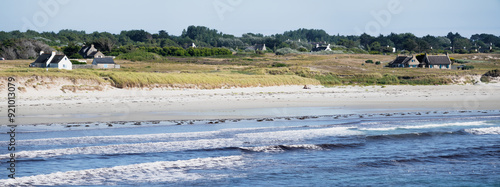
51 105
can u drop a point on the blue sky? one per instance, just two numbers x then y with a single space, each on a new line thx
348 17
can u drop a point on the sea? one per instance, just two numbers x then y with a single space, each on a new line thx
427 148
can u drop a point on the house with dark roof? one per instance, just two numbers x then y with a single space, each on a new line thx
104 63
320 47
90 52
405 62
436 61
259 47
51 60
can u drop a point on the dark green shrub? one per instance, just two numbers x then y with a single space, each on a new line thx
302 49
76 56
279 64
467 67
493 73
77 62
369 61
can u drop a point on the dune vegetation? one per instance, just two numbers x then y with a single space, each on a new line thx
261 70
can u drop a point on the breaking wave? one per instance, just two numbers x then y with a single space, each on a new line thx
294 135
412 135
484 131
282 148
154 172
239 140
427 126
130 148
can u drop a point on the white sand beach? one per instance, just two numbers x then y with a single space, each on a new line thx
51 105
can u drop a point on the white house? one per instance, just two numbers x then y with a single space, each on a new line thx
51 60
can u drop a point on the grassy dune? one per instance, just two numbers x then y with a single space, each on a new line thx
122 79
202 80
259 70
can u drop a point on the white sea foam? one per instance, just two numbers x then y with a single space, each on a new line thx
155 147
484 131
154 172
282 148
426 126
118 138
379 129
131 148
475 123
132 138
294 135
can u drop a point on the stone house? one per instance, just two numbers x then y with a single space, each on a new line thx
436 61
104 63
90 52
259 47
405 62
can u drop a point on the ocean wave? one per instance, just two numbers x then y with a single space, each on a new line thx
154 172
294 135
484 131
283 148
138 138
131 148
280 148
410 135
238 140
379 129
426 126
118 138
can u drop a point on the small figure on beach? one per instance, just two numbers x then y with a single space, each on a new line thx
307 87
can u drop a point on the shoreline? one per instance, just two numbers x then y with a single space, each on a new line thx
304 117
51 105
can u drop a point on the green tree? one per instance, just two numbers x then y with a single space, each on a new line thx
375 46
72 50
410 45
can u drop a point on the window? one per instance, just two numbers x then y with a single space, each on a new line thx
64 65
105 66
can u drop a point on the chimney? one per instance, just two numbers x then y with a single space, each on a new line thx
41 52
53 53
92 46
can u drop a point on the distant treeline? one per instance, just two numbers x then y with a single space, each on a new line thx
301 40
179 51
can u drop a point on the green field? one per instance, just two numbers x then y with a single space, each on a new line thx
259 70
